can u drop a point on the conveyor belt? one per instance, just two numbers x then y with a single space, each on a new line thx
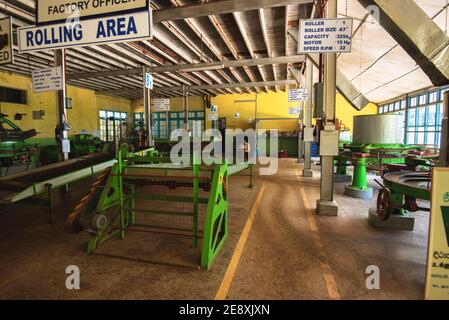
20 186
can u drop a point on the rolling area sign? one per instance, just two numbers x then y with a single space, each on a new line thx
126 27
437 276
51 11
6 51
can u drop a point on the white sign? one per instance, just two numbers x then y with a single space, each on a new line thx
121 28
48 80
325 36
329 143
6 51
213 108
298 95
58 11
437 275
236 115
161 104
213 116
293 111
149 83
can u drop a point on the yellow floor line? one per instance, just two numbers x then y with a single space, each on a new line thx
230 271
329 279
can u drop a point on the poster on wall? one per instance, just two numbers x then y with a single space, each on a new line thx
437 275
49 79
161 104
6 51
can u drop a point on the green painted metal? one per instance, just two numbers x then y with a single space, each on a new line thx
216 224
119 207
359 177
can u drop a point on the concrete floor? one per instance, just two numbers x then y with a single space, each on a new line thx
280 260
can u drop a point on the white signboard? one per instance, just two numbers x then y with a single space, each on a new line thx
213 108
293 111
325 36
161 104
437 275
48 80
297 95
328 143
6 52
149 83
121 28
213 116
59 11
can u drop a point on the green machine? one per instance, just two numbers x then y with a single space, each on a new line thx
15 153
146 193
377 144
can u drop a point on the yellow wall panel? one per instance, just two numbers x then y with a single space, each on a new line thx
83 116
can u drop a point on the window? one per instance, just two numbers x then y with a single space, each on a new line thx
13 95
111 125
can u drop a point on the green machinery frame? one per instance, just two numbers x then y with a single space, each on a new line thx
362 156
116 205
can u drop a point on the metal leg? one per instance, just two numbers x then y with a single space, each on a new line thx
250 176
50 203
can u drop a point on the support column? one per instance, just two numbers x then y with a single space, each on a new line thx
326 204
147 109
185 103
307 172
62 127
300 133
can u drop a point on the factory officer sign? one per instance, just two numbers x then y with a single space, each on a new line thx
51 11
126 26
437 277
6 52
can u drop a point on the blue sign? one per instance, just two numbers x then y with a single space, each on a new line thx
149 81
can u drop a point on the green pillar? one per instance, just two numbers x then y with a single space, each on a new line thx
359 179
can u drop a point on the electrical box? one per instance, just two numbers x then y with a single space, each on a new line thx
329 143
318 100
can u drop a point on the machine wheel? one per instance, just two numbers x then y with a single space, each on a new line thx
99 221
384 204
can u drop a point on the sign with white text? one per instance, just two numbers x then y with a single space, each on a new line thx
49 79
325 36
6 51
51 11
121 28
437 275
161 104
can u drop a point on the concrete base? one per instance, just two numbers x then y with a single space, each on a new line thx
358 193
340 178
402 223
307 173
326 208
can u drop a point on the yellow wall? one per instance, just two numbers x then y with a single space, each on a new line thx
83 116
195 104
275 105
86 104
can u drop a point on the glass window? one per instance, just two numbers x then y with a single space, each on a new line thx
412 118
422 99
411 138
433 97
414 102
421 118
432 115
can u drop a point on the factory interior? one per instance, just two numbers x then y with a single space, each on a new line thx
224 150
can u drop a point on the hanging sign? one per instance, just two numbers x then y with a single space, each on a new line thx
161 104
51 11
325 36
6 51
437 275
149 81
121 28
49 79
297 95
